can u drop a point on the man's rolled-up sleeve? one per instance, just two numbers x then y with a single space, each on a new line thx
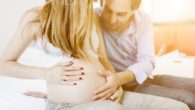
145 61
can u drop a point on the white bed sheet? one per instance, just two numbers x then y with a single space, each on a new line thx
12 98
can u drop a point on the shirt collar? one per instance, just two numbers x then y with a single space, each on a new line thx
134 24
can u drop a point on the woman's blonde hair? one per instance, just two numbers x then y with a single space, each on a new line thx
67 24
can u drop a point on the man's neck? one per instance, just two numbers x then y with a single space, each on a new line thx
124 27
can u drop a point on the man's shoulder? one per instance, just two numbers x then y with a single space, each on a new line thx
142 16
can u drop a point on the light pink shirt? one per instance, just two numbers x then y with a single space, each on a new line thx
134 49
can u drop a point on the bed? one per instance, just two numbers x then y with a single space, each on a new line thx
11 94
12 89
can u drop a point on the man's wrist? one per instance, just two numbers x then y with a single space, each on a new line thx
126 77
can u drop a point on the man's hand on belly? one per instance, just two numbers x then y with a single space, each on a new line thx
109 88
116 97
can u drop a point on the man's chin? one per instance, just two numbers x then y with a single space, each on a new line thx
111 29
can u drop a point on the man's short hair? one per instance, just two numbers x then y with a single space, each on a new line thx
136 4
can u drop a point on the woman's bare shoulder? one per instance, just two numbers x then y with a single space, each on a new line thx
29 22
31 14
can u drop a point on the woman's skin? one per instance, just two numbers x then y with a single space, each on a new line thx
111 88
82 91
115 17
57 81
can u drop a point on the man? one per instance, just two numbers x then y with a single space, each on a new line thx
128 35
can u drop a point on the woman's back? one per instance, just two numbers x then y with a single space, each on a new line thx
67 24
82 92
72 43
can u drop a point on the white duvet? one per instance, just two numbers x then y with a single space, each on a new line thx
12 98
12 89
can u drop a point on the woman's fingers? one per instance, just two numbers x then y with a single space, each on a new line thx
65 73
73 68
71 78
73 73
69 83
36 94
66 64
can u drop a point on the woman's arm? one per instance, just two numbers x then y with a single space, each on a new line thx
26 32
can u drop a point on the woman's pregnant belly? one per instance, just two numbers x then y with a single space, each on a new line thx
83 91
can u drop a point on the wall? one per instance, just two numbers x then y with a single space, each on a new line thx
176 36
11 12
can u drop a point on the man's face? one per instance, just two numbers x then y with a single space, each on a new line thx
116 14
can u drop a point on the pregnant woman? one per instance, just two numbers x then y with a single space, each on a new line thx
64 28
70 28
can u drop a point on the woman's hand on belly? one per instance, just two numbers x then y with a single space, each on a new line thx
83 90
64 73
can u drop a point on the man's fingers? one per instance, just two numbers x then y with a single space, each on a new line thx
106 97
115 96
118 95
117 100
103 94
102 89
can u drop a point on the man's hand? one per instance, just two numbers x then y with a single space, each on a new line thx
109 88
116 97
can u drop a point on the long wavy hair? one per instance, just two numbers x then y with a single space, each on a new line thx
68 24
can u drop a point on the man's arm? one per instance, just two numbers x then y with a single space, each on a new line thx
145 61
